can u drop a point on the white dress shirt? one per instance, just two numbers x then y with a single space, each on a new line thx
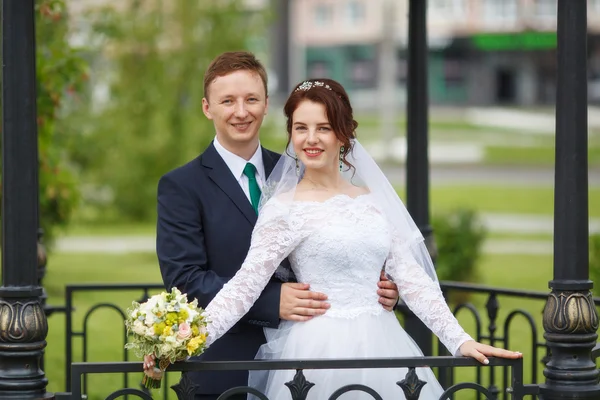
237 164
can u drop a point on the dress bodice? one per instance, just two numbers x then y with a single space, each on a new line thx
343 253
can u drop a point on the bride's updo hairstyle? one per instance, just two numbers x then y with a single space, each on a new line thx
337 105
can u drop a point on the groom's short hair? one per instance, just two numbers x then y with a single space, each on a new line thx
232 61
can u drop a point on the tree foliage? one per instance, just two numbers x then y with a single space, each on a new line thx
151 56
61 73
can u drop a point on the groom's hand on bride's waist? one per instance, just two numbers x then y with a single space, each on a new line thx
388 292
298 303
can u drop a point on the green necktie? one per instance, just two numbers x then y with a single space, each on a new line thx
250 172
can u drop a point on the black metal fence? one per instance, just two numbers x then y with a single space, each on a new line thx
492 326
299 387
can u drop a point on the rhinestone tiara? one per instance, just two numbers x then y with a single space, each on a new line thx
307 85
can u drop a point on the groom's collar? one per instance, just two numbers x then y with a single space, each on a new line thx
236 164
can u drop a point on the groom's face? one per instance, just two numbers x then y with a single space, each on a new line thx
237 104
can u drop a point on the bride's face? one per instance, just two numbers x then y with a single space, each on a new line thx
314 141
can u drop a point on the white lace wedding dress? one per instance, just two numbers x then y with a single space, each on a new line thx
339 247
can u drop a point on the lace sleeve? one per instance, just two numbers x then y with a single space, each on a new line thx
272 241
424 297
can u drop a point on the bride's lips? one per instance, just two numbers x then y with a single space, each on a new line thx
313 152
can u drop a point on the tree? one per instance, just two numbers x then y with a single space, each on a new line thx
61 72
153 58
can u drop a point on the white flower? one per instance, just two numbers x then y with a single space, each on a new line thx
172 339
149 332
149 321
165 348
139 328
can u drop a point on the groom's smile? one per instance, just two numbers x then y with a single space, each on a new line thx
242 127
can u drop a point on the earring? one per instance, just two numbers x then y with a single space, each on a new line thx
297 167
341 158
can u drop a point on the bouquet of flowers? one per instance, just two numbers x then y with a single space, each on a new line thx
167 326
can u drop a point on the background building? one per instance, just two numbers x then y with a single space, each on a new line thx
481 51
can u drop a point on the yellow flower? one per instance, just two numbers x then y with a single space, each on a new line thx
192 346
171 318
195 330
194 343
159 328
168 331
183 314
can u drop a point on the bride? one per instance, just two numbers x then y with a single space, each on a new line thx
331 211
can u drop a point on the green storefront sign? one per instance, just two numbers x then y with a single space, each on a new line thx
514 41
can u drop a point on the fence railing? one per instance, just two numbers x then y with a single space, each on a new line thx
488 328
299 387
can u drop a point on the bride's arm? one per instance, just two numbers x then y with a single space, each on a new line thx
424 297
272 241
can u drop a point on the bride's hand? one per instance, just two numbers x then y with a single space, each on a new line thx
480 351
149 367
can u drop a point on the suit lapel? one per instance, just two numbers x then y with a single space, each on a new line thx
221 175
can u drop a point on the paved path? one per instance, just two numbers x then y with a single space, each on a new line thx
486 174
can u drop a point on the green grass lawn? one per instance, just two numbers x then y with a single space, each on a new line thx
483 198
105 326
526 272
530 155
502 199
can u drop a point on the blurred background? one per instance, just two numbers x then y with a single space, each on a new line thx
120 89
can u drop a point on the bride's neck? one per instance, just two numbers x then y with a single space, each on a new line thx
324 181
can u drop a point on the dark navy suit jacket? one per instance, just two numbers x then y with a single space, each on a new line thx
204 226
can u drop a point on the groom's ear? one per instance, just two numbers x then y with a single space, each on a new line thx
205 108
266 105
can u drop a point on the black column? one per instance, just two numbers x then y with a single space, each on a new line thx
570 318
417 158
23 325
280 43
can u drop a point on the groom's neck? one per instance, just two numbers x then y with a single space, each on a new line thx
242 149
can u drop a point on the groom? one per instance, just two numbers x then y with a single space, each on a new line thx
207 210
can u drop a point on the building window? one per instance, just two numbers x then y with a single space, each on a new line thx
362 74
500 10
323 14
448 8
318 69
545 8
355 11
